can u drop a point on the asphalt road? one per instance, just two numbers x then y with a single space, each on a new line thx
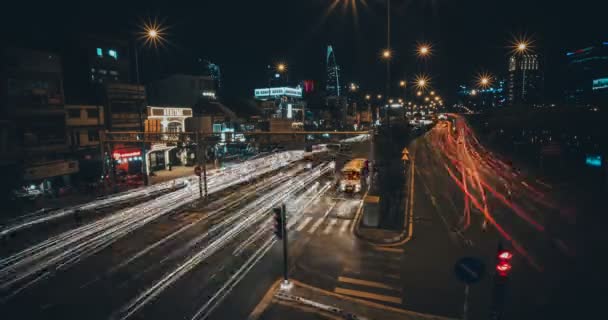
467 200
157 260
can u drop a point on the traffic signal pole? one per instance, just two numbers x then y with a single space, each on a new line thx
285 283
501 279
280 231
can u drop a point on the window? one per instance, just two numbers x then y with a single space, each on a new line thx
112 53
102 71
99 52
114 73
74 113
93 135
92 113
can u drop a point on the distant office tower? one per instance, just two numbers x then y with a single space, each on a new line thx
587 81
213 70
525 79
333 73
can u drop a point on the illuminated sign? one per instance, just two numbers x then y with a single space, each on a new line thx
599 84
593 161
279 91
289 111
126 155
159 112
209 94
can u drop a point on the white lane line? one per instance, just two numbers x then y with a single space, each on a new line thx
316 225
332 222
304 223
344 226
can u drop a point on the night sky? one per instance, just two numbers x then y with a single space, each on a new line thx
244 36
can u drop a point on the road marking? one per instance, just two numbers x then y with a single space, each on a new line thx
344 226
292 222
332 222
372 199
368 295
265 302
366 283
304 223
368 303
316 225
387 249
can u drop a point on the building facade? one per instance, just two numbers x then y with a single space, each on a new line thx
84 124
525 82
281 103
33 107
481 99
333 73
182 90
587 83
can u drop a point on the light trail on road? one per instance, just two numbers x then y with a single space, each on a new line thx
64 250
222 235
480 175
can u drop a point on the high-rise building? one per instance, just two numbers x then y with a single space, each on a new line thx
587 82
525 83
213 70
333 73
92 62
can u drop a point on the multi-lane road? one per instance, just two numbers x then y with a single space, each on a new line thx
158 258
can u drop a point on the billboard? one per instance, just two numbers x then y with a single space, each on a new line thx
279 91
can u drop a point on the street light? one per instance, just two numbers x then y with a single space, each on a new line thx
521 44
367 97
432 93
386 54
473 92
424 50
152 34
419 93
422 81
402 83
281 67
484 80
427 98
379 96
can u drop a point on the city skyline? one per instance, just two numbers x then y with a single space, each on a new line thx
301 44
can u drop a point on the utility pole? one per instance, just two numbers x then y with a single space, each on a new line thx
144 167
205 166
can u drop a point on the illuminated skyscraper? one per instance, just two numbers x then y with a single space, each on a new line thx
525 79
333 73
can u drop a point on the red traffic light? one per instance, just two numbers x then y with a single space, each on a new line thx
505 255
503 268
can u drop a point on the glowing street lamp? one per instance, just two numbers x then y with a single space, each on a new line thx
386 54
424 50
484 80
379 96
402 83
281 67
432 93
427 98
419 93
367 97
473 92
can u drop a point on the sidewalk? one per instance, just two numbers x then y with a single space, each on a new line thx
303 301
366 219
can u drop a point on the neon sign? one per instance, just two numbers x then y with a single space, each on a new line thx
118 156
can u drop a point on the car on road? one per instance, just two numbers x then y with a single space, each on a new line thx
353 176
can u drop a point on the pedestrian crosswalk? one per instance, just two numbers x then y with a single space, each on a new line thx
325 226
372 277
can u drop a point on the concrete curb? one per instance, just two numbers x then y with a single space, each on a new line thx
406 232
